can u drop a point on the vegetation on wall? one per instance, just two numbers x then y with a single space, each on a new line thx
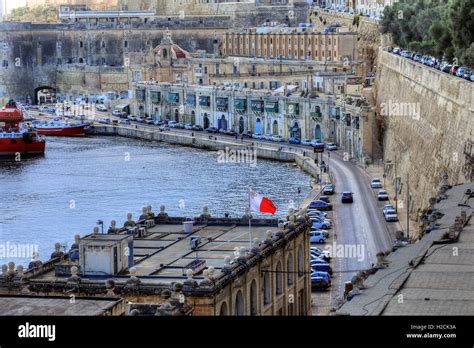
435 27
43 14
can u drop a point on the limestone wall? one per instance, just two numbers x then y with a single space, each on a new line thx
435 141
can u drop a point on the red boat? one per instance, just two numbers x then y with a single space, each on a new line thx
62 129
15 137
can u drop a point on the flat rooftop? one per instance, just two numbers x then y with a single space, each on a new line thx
165 254
19 305
442 279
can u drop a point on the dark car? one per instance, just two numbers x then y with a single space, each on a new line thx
230 132
447 68
319 283
467 74
212 130
198 128
347 197
321 268
324 199
320 205
125 122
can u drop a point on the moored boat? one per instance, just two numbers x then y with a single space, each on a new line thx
15 137
62 129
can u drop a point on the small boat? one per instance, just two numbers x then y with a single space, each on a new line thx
15 137
60 128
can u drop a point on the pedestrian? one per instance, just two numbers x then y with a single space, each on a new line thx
242 138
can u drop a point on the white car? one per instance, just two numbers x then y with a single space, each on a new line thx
277 138
306 142
104 120
132 118
376 184
382 195
101 107
391 215
257 136
331 147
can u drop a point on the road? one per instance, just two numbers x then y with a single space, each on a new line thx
360 226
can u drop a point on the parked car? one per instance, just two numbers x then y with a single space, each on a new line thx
472 77
188 126
391 215
257 136
316 237
278 138
322 268
320 205
140 119
447 68
132 118
317 261
387 207
396 50
417 57
324 275
319 283
324 199
328 189
149 121
212 130
198 128
104 120
323 231
382 195
118 113
317 213
347 197
319 224
454 69
158 123
325 253
467 74
294 141
317 144
460 71
405 53
306 142
376 184
230 132
331 146
179 126
125 122
101 107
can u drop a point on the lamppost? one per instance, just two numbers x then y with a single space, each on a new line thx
101 224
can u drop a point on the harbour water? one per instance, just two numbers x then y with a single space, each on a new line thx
80 181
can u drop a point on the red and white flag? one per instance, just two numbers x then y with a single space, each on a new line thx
261 204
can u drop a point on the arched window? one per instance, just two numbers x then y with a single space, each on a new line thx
239 304
165 53
279 279
300 261
253 298
267 294
223 310
289 269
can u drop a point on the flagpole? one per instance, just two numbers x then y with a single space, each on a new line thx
250 222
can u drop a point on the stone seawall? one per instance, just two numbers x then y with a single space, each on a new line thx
306 163
433 135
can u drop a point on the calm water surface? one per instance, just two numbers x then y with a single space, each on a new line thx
79 181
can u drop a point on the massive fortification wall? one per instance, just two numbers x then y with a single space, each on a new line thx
428 118
30 54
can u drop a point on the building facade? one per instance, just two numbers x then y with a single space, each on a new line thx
286 112
292 43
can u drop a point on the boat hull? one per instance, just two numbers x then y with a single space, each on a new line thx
74 131
11 147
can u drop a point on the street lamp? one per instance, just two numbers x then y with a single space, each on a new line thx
101 224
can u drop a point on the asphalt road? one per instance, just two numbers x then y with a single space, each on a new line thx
359 226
